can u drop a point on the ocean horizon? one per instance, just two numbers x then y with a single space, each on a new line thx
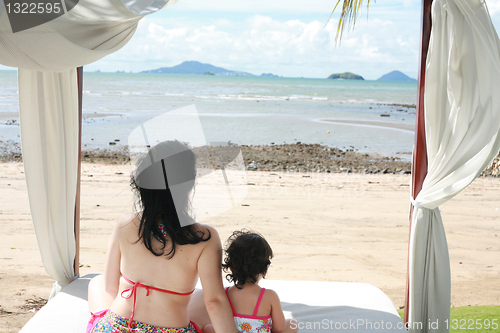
369 116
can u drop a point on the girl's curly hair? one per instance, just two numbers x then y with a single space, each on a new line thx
248 255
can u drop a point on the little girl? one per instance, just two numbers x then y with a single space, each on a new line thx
255 309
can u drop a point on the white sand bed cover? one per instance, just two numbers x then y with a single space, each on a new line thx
314 306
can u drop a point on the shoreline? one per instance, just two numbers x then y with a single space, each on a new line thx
404 127
12 118
298 157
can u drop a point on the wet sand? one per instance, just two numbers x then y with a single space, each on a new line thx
401 126
14 116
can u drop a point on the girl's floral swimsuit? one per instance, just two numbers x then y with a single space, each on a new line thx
253 323
108 322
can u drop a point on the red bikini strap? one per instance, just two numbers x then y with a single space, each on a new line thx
232 307
258 302
158 289
133 291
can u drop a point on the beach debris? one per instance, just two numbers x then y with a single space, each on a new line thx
112 143
245 205
12 122
34 303
250 183
385 115
117 140
252 167
328 132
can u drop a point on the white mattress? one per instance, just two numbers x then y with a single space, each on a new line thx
314 307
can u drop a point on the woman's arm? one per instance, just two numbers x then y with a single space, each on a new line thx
113 256
209 269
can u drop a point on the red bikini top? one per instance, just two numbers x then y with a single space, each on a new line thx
133 291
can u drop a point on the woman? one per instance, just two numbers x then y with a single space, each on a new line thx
153 262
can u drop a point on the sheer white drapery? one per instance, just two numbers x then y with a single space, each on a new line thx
462 125
47 56
49 135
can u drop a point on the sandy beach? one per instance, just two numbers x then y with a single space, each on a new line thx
357 230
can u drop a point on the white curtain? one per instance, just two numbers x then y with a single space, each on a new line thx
49 135
462 124
47 56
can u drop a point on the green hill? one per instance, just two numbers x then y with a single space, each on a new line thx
195 67
396 76
346 76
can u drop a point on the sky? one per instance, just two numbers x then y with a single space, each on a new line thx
291 38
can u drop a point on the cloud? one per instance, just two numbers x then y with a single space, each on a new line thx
264 44
493 6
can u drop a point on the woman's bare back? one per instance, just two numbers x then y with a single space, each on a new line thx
131 259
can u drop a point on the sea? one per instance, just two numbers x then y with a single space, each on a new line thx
243 110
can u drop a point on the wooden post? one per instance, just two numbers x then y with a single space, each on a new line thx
419 165
76 263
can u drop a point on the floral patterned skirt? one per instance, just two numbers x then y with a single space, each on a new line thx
109 322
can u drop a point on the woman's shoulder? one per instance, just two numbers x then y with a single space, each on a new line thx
205 228
127 221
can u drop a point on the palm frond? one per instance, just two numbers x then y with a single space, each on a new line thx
348 15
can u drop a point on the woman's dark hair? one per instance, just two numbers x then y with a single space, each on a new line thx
158 205
248 254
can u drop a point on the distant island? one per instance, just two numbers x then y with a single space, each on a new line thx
195 67
269 75
345 76
396 76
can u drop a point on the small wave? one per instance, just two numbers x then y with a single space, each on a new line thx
243 97
170 94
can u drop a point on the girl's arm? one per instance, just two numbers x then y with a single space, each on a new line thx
277 315
209 270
